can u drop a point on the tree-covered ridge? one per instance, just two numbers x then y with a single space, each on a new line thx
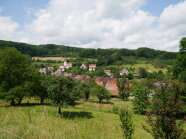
68 51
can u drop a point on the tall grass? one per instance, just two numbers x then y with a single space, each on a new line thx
88 120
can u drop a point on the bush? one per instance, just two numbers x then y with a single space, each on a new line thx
127 124
141 99
115 109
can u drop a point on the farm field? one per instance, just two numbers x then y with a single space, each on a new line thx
87 120
50 58
137 66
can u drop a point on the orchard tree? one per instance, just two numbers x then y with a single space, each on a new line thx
101 93
84 90
13 71
141 98
62 92
166 107
36 85
18 93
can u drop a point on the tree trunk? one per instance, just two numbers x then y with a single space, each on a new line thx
100 100
59 110
41 101
12 102
19 102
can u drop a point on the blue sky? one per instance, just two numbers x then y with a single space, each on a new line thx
95 23
17 9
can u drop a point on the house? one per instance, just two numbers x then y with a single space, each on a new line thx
43 70
101 80
68 74
50 69
83 66
58 72
112 87
62 67
83 78
158 84
109 83
92 67
124 71
136 74
65 65
108 72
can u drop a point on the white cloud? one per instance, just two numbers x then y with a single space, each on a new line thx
174 15
7 27
106 24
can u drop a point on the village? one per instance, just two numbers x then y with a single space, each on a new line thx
110 82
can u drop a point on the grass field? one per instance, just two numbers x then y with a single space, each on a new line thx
146 66
87 120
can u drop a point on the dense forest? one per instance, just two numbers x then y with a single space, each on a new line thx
49 50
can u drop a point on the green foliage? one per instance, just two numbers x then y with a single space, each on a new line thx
143 73
84 90
101 92
110 55
17 93
115 109
166 106
123 89
141 99
183 45
62 92
127 123
130 76
13 70
179 69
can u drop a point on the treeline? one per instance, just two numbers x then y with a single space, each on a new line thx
49 50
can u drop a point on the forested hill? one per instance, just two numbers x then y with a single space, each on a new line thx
49 50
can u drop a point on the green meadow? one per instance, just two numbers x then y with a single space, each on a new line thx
87 120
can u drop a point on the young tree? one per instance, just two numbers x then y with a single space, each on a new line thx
62 92
101 92
166 106
130 76
123 89
13 69
141 99
179 69
143 73
127 124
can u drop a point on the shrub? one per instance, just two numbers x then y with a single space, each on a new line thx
127 124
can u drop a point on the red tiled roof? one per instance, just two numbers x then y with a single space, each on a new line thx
51 68
92 66
111 85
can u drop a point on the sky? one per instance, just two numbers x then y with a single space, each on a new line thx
157 24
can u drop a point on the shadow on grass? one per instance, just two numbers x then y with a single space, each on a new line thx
27 105
72 114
